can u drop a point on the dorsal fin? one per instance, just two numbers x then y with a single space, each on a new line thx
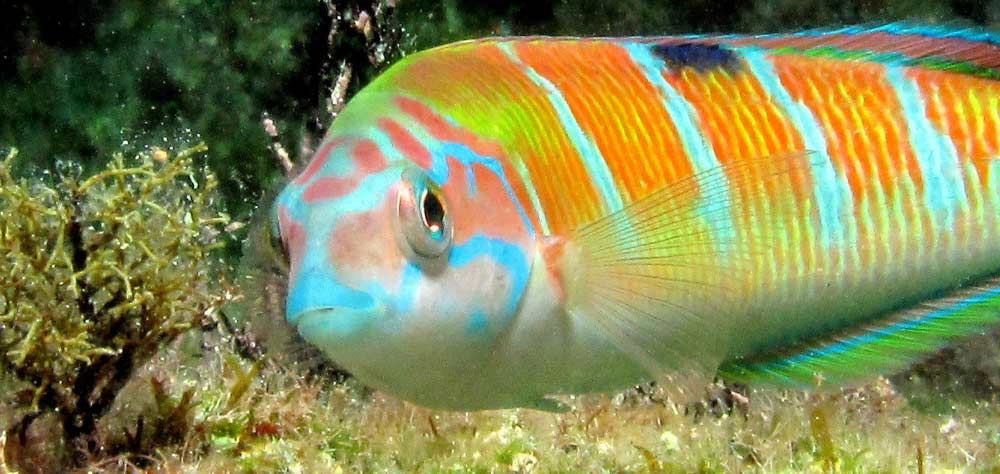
961 50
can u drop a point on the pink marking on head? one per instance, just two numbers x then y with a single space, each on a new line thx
368 157
319 159
434 123
366 243
457 176
406 143
471 213
442 130
329 187
491 189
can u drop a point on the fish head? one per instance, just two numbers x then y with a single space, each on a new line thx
408 250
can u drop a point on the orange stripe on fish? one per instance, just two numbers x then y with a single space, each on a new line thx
483 79
614 89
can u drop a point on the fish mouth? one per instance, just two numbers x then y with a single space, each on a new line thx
325 311
318 292
326 327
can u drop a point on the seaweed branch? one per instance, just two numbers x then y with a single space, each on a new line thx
99 275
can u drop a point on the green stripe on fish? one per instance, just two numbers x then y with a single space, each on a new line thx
886 346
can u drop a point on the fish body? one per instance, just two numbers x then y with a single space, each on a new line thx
495 221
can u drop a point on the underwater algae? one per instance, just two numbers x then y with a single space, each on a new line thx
98 274
285 424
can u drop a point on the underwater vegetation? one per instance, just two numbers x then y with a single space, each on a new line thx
283 423
99 273
96 74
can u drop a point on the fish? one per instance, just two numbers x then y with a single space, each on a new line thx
499 222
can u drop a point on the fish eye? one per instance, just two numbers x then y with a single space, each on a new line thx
432 213
423 216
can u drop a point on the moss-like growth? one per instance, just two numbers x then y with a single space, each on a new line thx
97 274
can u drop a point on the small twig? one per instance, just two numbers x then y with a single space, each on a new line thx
246 346
380 36
338 94
434 429
279 150
920 458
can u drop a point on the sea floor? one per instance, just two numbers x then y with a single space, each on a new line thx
242 417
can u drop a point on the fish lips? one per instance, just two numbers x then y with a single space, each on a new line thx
325 326
321 307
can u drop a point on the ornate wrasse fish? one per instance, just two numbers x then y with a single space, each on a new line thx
496 221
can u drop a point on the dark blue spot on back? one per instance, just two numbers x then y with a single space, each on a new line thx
698 56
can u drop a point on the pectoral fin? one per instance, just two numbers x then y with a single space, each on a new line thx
662 276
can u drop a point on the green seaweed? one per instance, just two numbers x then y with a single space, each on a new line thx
820 428
98 274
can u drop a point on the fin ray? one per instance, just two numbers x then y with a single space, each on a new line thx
655 275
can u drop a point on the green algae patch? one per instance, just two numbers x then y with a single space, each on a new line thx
287 423
97 275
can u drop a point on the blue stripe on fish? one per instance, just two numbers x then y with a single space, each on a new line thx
315 287
930 31
536 203
944 190
830 190
696 147
468 157
440 171
315 290
502 252
593 160
408 285
891 330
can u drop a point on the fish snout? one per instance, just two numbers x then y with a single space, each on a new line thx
318 302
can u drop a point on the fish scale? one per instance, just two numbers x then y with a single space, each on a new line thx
858 161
